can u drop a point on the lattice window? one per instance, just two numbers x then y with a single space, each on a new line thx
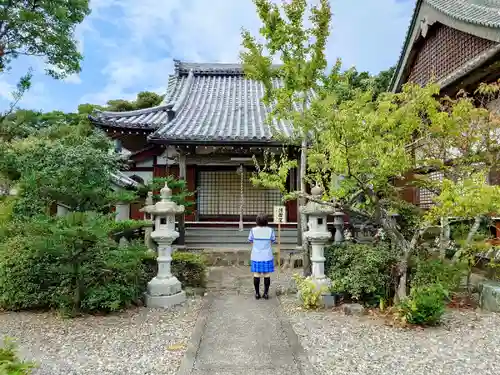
426 196
219 195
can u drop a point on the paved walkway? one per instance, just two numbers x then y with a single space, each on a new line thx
236 334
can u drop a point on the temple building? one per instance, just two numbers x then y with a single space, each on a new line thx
456 43
206 131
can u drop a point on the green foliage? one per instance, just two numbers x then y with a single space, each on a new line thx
437 272
358 141
73 171
127 225
410 217
310 294
180 193
42 28
467 198
300 48
362 271
145 99
70 264
10 364
190 269
424 306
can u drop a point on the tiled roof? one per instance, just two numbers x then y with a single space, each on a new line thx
143 119
204 103
122 180
477 12
480 12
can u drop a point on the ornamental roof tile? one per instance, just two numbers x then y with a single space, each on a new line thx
480 12
205 102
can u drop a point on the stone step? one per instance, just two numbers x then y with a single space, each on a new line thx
284 231
229 239
241 256
226 246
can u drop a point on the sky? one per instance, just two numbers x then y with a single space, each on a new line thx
129 45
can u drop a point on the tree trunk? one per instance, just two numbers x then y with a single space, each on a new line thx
470 236
390 227
473 230
444 237
403 280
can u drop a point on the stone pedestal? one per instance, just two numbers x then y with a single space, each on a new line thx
489 296
164 290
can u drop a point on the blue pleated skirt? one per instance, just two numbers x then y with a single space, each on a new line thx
262 267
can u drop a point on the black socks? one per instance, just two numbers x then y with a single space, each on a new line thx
267 283
256 284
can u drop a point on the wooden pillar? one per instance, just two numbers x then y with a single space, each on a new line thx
306 259
299 202
181 241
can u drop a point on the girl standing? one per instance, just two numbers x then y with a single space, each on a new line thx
262 260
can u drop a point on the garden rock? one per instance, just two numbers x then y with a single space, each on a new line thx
489 296
353 309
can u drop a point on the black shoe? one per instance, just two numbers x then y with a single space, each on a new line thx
257 296
265 296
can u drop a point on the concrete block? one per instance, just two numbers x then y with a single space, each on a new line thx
489 296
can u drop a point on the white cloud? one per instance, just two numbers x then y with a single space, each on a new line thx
123 75
73 78
365 33
36 97
6 90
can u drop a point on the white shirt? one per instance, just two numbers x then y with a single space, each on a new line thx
262 238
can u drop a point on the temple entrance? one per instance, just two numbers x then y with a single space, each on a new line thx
226 194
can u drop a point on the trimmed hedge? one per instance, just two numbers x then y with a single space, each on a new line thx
189 268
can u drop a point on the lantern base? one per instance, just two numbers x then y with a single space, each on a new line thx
163 302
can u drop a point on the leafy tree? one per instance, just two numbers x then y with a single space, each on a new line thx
49 172
180 193
301 49
42 28
145 99
69 263
358 143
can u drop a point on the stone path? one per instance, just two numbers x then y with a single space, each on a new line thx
235 334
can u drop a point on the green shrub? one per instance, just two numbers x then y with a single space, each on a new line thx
309 293
70 264
424 306
362 271
189 268
435 271
10 364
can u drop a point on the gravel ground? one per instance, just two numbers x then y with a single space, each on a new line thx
468 342
139 341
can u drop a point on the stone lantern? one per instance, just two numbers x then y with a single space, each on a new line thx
318 235
164 289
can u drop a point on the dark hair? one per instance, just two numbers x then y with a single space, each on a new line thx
261 220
